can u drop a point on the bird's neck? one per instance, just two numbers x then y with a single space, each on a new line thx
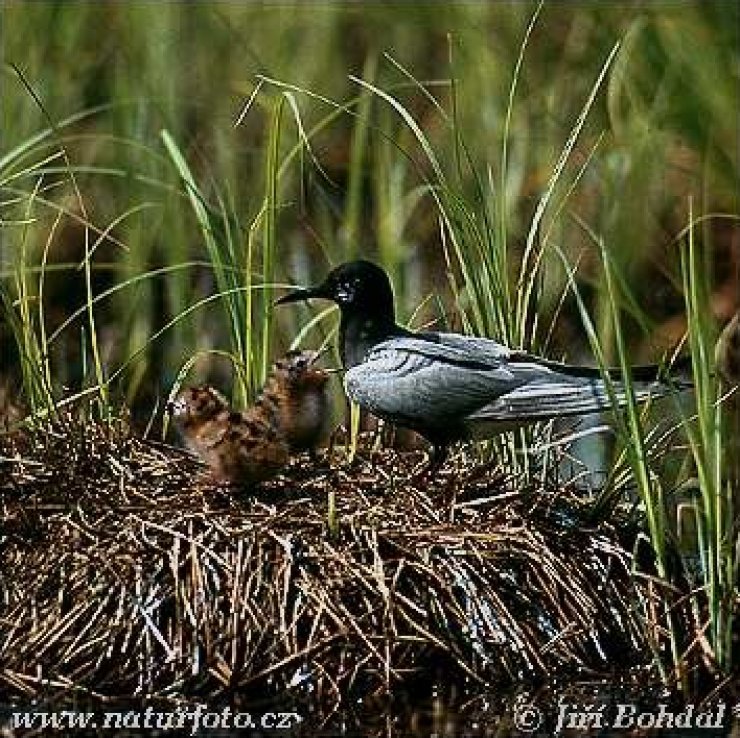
359 333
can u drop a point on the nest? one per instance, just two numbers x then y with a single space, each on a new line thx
125 571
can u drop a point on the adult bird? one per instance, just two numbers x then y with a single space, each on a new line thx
447 386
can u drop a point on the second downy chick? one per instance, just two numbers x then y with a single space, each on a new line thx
296 394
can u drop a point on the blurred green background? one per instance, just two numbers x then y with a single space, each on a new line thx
320 169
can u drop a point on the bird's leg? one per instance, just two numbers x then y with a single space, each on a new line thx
437 458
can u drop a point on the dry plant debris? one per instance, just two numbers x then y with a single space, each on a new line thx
124 570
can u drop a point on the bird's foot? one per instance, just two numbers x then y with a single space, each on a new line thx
427 471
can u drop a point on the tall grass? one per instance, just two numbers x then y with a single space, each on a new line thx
502 121
717 526
644 478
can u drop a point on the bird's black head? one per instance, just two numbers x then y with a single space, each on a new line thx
359 288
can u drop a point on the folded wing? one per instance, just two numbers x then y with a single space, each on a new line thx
440 381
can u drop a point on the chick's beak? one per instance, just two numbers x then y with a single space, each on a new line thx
319 353
304 294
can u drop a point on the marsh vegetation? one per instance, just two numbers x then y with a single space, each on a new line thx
562 178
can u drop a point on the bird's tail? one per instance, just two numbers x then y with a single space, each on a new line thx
559 399
568 390
672 375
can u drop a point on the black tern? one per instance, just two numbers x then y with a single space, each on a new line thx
448 386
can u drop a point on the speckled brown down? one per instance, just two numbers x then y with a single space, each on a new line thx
290 415
296 394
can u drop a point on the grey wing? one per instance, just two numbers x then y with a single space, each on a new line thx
555 396
427 384
448 381
453 347
540 389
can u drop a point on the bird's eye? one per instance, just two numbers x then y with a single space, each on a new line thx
345 292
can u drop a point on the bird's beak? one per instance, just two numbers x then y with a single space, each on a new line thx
318 354
303 294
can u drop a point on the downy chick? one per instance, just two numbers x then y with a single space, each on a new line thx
297 394
243 448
